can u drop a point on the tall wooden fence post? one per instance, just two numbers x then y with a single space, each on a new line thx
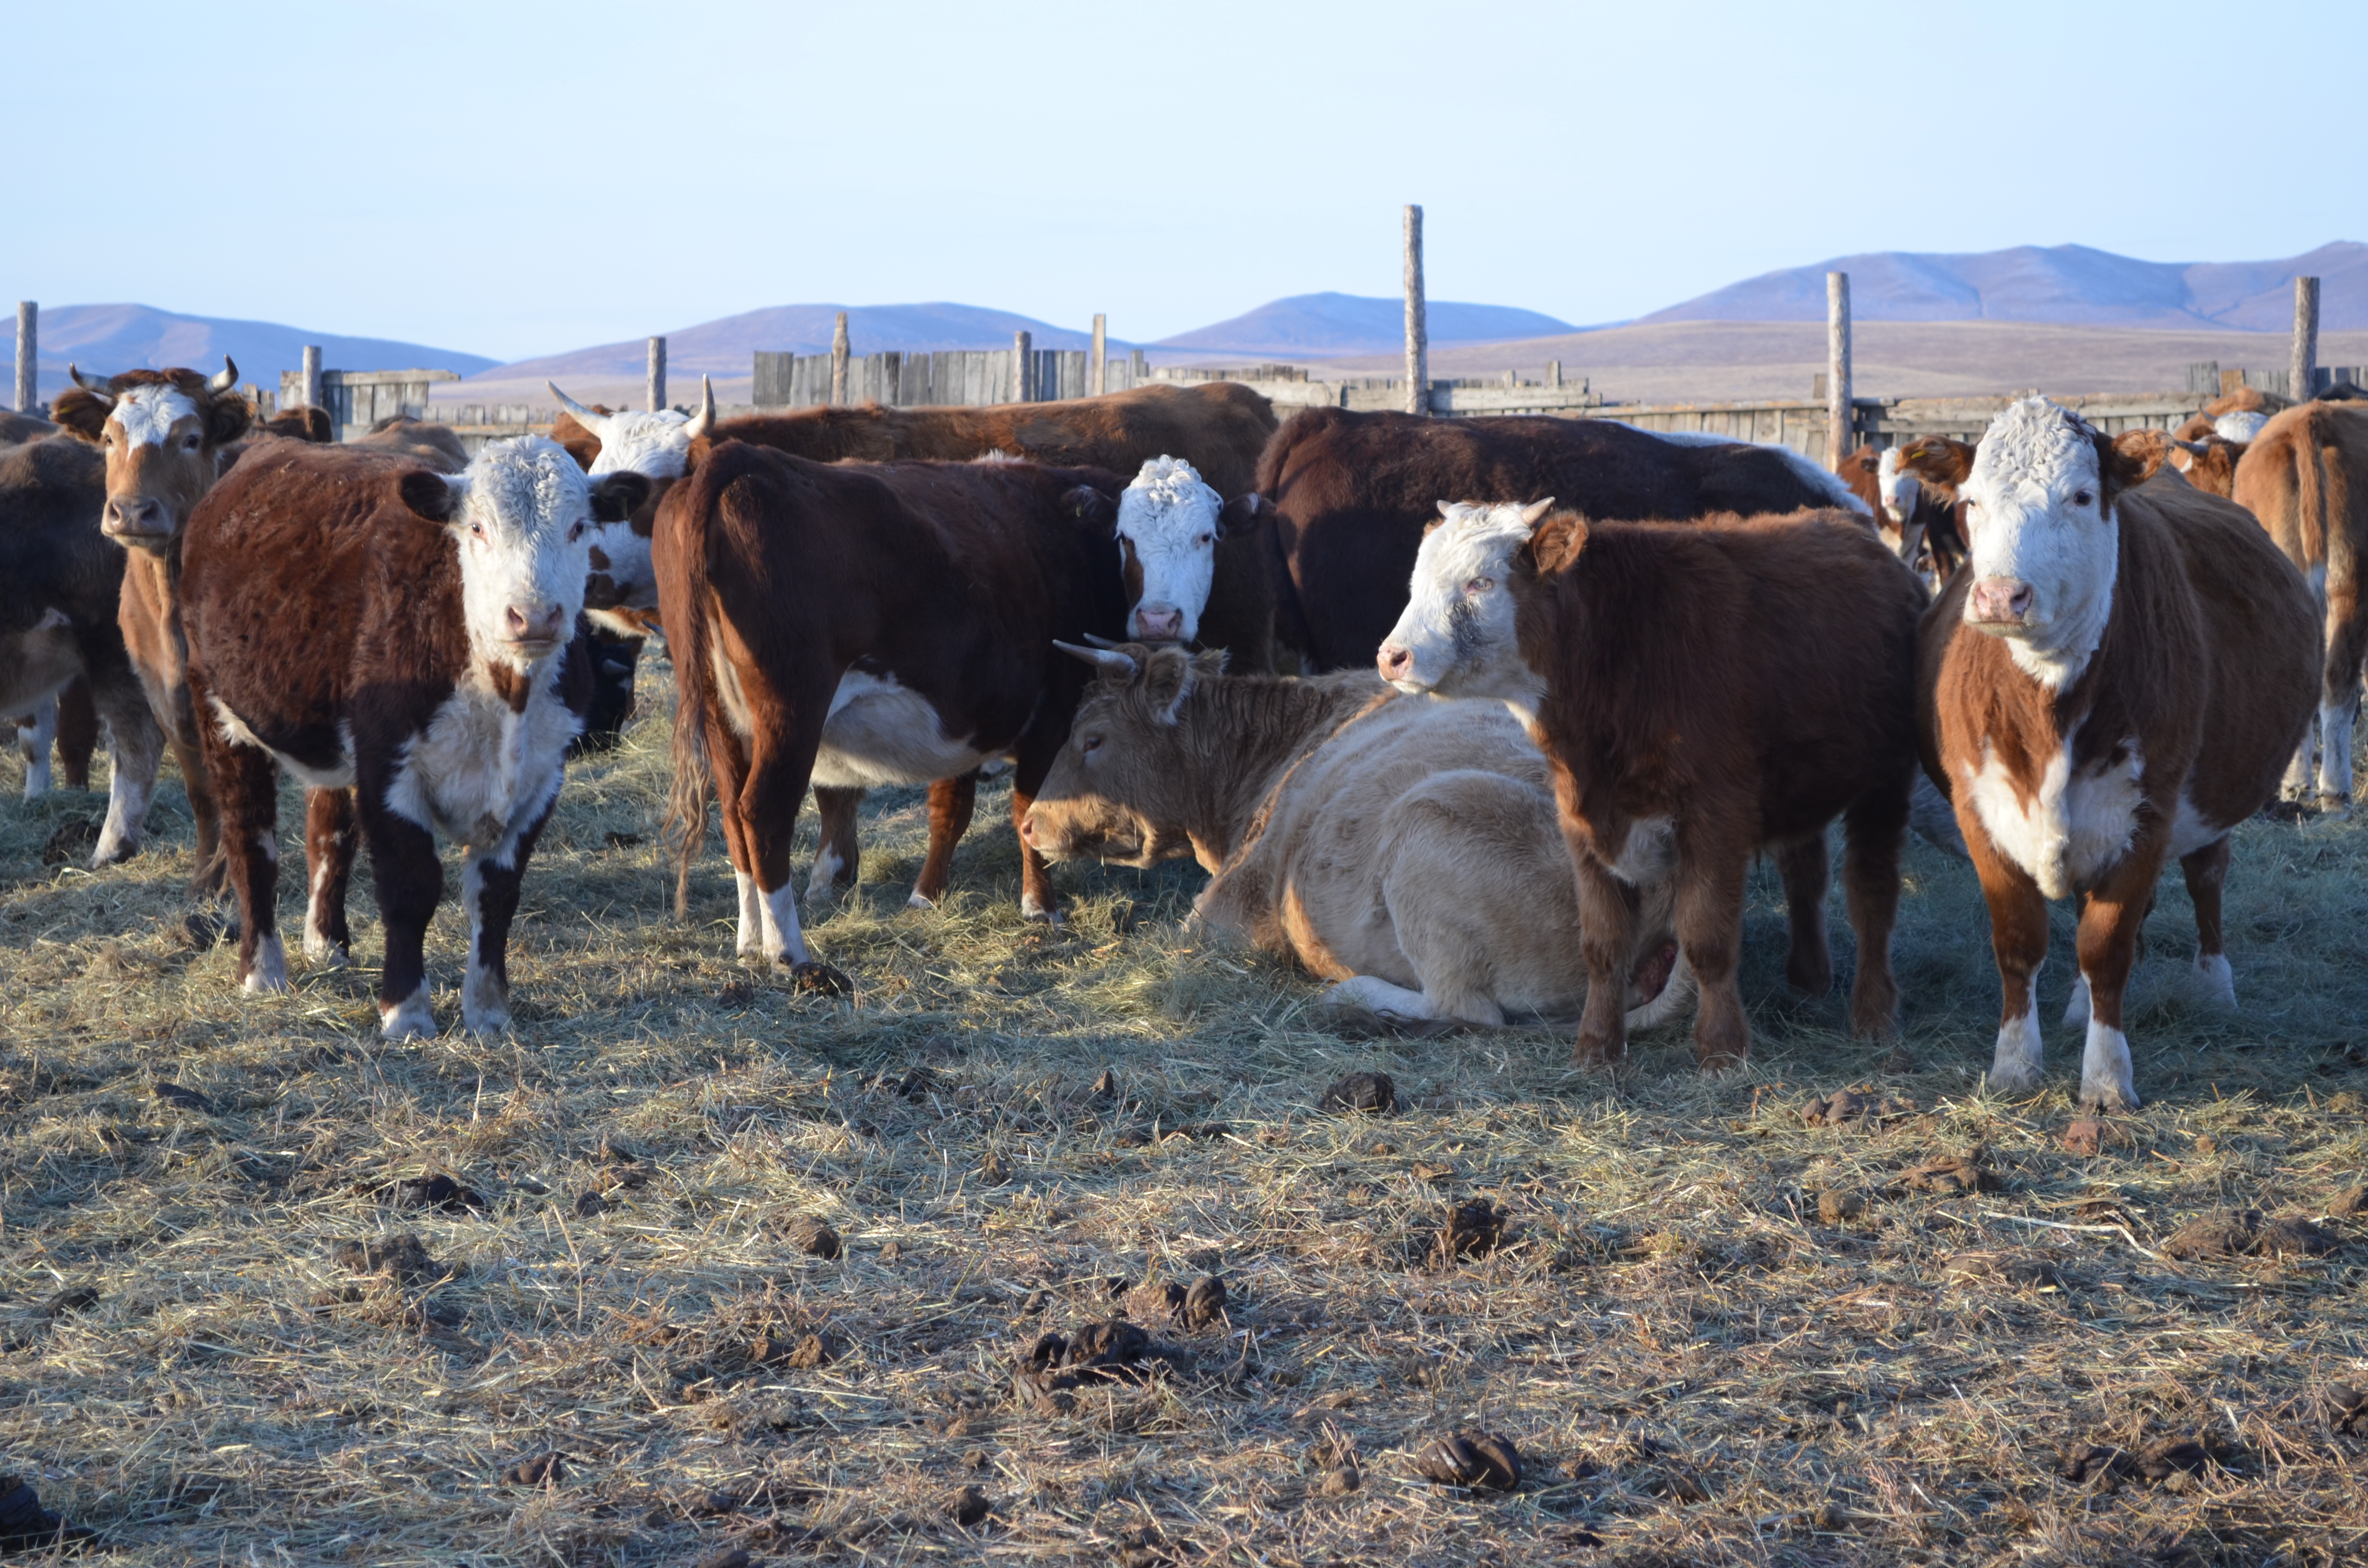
312 375
838 355
1023 381
657 374
1097 373
1838 409
28 351
2303 374
1417 337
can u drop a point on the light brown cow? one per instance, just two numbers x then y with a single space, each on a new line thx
2304 477
2114 680
1700 692
1403 848
163 432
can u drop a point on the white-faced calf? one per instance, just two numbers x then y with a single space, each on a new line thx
1701 692
2115 680
367 623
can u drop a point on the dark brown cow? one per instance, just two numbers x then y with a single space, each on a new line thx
2306 478
1701 693
16 429
2115 680
409 636
60 580
1350 496
871 624
162 433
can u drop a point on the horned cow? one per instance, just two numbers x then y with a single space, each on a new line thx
1406 850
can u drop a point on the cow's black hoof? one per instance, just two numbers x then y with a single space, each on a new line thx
820 979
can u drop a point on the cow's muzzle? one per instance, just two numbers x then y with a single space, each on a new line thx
538 627
1998 601
1396 663
1159 623
139 520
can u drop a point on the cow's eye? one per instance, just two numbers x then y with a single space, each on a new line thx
192 443
1090 745
476 531
1479 585
2083 498
1206 538
575 530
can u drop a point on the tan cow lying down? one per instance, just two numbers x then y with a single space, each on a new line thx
1404 846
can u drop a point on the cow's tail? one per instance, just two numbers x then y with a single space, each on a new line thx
693 503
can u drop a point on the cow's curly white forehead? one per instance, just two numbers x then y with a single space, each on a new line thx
655 444
2036 446
527 483
1470 541
1166 488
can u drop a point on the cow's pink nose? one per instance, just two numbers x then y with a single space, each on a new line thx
537 623
136 514
1998 601
1159 623
1394 662
1027 829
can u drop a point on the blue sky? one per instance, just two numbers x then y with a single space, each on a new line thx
516 179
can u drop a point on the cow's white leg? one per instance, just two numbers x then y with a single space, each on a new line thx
785 943
2015 1069
485 999
36 743
2215 982
1676 996
752 915
411 1018
1376 994
2302 771
2106 1082
826 868
318 946
915 901
127 794
2076 1006
2335 721
270 970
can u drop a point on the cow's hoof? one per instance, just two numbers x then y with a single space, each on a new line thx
113 853
2334 808
411 1018
2106 1096
1040 915
920 901
819 980
2013 1080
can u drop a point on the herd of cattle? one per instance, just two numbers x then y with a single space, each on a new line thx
1563 679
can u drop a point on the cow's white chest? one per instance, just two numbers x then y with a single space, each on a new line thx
2069 829
480 773
881 732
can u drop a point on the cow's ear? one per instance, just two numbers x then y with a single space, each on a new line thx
1167 679
81 412
2116 470
1092 506
1552 545
2147 447
434 496
227 418
617 496
1240 515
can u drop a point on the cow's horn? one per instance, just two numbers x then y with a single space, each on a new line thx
584 416
96 388
1536 509
1101 642
224 378
703 422
1107 659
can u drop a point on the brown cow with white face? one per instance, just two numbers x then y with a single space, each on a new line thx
163 432
2114 682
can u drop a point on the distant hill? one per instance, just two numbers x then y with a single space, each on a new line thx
2062 285
722 348
107 339
1316 325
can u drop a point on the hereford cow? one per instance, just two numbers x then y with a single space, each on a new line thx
2116 680
1916 487
1345 498
1405 849
409 635
162 433
871 624
59 579
1699 693
2306 478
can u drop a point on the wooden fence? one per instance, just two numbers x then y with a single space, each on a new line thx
911 378
359 398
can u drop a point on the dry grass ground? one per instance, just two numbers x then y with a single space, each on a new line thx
1695 1365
